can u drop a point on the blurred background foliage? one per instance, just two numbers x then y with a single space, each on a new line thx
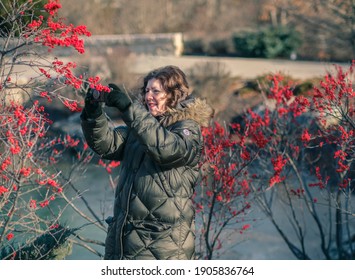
303 29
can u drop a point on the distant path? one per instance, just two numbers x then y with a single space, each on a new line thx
246 68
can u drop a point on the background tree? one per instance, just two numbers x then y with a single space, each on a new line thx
327 22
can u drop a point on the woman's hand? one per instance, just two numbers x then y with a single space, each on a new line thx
118 98
92 108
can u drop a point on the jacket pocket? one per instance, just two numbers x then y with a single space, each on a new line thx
153 230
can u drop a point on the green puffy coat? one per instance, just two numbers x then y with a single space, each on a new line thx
153 212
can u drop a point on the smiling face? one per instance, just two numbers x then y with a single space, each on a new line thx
155 97
164 88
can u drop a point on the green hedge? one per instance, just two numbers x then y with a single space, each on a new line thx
270 42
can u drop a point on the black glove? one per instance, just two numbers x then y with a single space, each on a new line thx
118 98
92 108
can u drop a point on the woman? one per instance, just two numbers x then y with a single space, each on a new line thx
159 149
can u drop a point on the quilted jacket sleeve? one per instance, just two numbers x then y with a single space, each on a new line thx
106 142
178 145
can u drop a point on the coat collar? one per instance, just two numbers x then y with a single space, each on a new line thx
196 109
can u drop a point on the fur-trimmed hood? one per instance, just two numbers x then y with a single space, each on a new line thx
196 109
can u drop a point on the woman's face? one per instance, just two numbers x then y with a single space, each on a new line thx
155 97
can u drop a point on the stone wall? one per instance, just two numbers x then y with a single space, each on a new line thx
149 44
